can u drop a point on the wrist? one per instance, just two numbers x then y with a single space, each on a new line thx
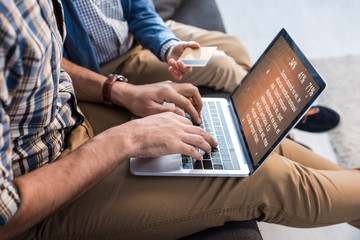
107 88
117 143
165 49
120 94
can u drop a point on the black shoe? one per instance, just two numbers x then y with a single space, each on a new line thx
324 120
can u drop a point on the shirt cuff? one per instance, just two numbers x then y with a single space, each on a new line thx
165 47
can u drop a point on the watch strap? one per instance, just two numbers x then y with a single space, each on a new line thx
107 86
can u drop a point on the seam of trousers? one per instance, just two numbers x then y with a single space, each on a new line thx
225 212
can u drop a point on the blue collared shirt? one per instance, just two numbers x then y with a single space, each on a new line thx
144 23
37 101
109 30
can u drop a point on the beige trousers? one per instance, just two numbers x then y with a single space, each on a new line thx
294 187
224 71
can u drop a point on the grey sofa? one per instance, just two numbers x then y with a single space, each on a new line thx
199 13
205 14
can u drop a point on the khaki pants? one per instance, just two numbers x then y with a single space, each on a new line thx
294 187
224 71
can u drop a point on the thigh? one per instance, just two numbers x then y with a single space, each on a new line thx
295 195
77 137
221 72
102 117
123 206
228 44
300 154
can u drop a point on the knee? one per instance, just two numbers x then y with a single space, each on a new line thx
274 171
279 178
238 51
289 187
226 72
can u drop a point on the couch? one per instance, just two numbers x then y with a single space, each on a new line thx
205 14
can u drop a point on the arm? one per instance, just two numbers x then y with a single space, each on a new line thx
152 33
79 171
76 173
140 100
146 25
87 84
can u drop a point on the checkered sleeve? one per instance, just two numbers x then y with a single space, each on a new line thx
165 47
9 197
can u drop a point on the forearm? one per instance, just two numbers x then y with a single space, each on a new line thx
147 26
87 84
52 187
48 189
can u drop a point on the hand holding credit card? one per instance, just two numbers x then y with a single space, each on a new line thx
197 57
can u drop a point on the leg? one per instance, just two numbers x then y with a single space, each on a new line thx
95 112
123 206
300 196
129 207
224 71
297 153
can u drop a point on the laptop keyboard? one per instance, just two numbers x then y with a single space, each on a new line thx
222 157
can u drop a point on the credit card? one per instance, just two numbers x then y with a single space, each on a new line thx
197 57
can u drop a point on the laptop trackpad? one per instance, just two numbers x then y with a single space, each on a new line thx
166 163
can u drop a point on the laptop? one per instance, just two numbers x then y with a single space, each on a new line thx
274 95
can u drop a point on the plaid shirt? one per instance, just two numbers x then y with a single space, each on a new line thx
37 101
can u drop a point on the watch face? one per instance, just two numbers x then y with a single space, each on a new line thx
119 77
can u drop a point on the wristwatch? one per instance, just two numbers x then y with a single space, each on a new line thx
106 89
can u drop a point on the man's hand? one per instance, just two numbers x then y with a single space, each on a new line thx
145 100
167 133
177 68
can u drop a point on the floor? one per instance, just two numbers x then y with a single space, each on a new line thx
322 29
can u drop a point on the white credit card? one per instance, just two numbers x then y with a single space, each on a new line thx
197 57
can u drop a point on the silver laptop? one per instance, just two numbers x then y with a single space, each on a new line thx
271 99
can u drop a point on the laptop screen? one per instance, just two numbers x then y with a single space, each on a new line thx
274 95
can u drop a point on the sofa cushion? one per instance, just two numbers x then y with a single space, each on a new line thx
166 8
200 13
245 230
